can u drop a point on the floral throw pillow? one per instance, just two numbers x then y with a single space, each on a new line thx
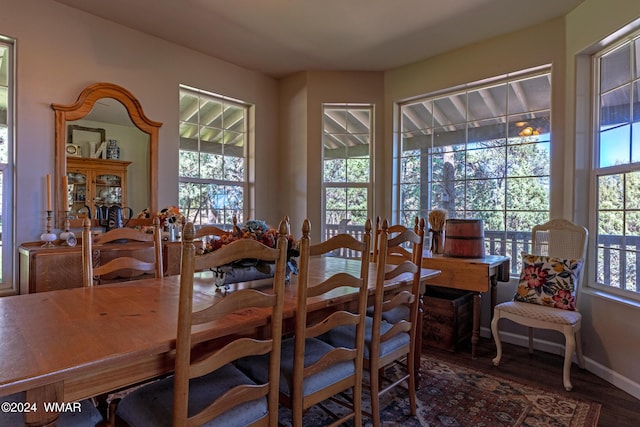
548 281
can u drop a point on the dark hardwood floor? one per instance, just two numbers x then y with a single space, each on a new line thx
619 409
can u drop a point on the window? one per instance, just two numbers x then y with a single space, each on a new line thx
346 175
6 163
616 172
213 158
479 152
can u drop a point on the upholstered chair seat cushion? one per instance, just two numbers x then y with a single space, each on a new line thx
152 404
257 367
542 313
86 415
396 314
344 336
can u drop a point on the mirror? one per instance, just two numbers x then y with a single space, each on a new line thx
107 133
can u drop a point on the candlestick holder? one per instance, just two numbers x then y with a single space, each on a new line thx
48 237
67 237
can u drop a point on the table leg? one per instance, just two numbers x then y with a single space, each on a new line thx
418 349
475 334
494 295
39 396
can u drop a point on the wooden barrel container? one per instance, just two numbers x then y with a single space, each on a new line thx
464 238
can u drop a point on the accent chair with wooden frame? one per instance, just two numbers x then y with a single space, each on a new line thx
388 343
91 274
209 389
546 297
312 370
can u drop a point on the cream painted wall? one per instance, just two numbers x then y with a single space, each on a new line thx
302 96
61 50
292 149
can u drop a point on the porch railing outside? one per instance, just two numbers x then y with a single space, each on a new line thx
618 271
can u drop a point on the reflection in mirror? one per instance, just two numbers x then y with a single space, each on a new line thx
107 132
108 150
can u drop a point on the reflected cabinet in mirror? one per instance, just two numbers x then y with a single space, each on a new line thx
107 149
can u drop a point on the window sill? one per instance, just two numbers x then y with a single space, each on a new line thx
611 297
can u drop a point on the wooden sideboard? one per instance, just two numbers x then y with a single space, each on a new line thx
60 267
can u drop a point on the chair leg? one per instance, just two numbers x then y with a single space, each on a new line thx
357 405
411 367
297 412
570 347
579 349
374 380
496 337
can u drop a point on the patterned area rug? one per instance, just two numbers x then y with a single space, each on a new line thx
455 396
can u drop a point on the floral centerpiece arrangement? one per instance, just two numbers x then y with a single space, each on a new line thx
260 231
170 217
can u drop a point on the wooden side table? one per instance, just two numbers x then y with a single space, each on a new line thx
472 274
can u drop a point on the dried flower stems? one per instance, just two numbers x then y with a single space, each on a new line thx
437 219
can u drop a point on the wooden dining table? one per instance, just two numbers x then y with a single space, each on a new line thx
71 344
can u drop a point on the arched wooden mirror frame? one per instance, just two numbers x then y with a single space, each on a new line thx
83 106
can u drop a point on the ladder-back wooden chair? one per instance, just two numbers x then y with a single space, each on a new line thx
128 265
209 389
312 370
547 292
391 343
395 255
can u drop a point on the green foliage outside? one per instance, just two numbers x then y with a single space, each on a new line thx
618 230
506 186
204 200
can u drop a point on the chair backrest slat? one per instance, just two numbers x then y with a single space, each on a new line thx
395 231
133 265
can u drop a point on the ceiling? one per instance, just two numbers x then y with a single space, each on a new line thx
281 37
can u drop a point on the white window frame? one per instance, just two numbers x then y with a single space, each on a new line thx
241 214
603 278
347 225
7 284
508 244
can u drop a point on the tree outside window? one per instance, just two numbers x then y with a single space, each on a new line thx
213 162
482 153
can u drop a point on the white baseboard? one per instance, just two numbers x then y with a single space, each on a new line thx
599 370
